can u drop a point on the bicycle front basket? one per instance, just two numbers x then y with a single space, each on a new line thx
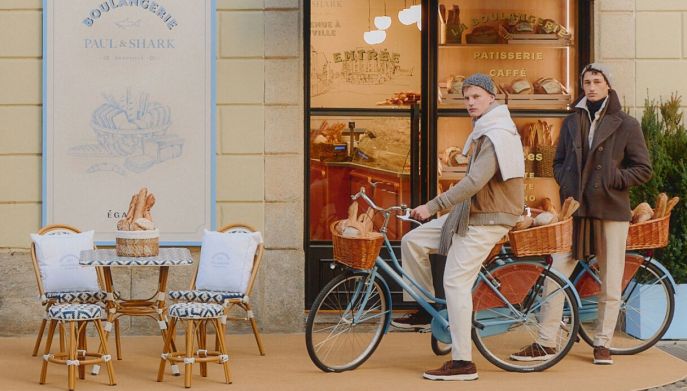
356 252
649 234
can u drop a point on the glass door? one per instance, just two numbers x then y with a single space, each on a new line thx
365 73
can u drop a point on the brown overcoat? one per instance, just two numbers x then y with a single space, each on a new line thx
617 159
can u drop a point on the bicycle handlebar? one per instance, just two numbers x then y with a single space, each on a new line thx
403 208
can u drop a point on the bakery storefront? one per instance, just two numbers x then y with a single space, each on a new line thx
384 108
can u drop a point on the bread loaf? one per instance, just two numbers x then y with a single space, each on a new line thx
545 218
524 222
520 86
641 213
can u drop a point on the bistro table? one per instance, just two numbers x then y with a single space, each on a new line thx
153 306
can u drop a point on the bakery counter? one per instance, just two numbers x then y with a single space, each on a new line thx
331 186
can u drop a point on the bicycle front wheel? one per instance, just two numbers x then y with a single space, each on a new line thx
347 321
525 317
646 308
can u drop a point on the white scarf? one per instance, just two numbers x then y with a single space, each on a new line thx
499 127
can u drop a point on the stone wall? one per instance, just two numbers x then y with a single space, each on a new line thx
259 157
645 41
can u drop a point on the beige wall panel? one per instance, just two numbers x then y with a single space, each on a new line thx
661 5
283 3
284 225
20 129
615 35
660 79
284 178
20 178
240 178
240 4
20 81
20 4
282 33
242 34
624 80
242 129
684 35
663 42
283 83
284 129
18 221
240 81
617 5
20 34
241 212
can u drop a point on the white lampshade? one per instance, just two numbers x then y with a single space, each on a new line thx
374 37
419 25
415 12
406 17
382 22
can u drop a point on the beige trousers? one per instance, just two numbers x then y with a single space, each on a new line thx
462 266
610 238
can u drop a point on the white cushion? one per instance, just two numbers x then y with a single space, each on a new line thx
226 260
58 262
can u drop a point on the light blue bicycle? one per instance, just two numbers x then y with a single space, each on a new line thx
352 313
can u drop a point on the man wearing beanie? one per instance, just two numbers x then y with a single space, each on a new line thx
483 207
600 155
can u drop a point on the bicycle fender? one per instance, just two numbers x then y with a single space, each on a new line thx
387 293
565 279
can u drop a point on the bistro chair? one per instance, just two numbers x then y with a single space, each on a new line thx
196 316
226 274
74 318
62 281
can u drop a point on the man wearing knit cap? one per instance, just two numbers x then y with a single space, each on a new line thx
483 206
600 155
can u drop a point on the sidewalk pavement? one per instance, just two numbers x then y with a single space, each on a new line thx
396 365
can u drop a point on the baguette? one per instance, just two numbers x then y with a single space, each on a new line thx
671 204
661 205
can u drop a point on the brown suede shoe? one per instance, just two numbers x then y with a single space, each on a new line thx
602 356
453 370
534 352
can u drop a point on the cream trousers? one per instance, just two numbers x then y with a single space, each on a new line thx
610 238
462 267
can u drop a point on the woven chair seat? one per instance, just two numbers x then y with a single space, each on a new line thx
75 312
85 297
204 296
196 310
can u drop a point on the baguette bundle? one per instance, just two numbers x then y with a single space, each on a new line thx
547 214
356 225
138 217
643 212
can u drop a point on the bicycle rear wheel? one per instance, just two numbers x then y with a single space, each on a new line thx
646 309
347 321
539 308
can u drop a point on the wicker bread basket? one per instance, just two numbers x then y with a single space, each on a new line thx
357 252
648 234
138 243
542 240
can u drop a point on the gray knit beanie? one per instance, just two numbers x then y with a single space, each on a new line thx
601 68
479 80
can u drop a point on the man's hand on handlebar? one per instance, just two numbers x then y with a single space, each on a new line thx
420 213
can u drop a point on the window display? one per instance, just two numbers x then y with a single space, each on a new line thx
529 49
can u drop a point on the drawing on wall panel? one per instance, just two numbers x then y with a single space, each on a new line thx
131 133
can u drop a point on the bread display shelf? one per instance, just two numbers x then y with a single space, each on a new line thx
532 101
514 101
532 38
458 99
556 43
